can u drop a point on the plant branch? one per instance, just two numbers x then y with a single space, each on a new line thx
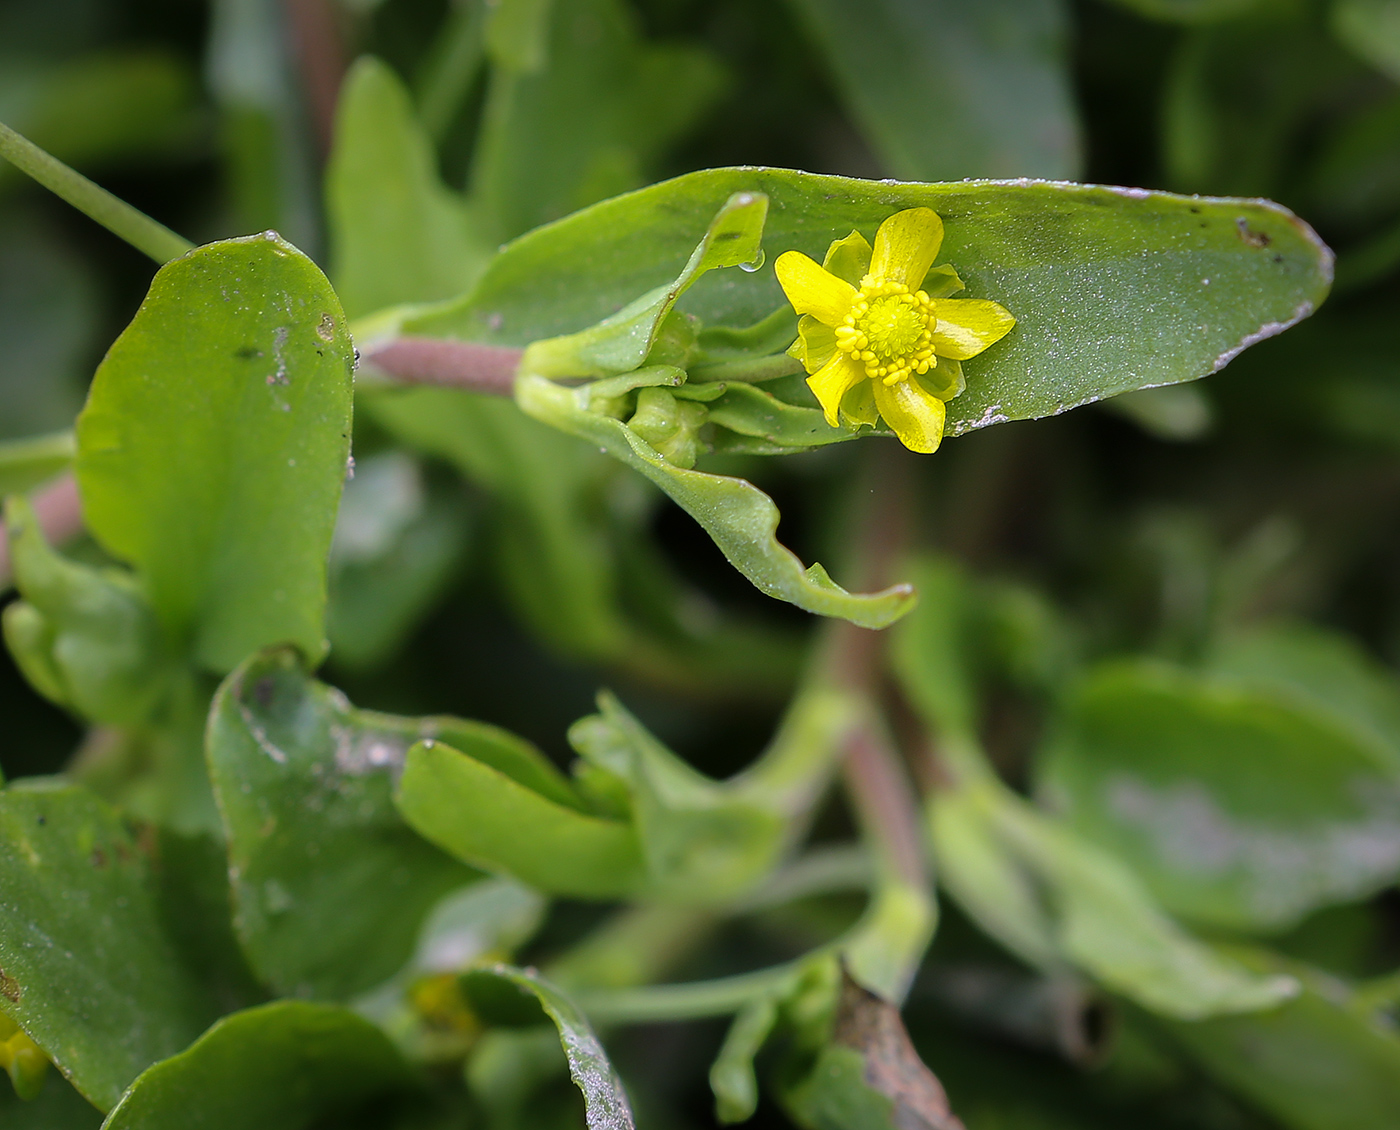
116 215
454 364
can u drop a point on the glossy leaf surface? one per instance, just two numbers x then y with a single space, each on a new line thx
1098 278
214 443
277 1067
330 885
89 970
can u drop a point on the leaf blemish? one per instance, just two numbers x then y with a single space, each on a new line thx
9 988
1250 236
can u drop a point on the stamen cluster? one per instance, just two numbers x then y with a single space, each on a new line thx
889 330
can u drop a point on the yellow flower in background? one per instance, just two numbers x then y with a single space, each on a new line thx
879 334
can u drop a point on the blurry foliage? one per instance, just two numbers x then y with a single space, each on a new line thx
1150 692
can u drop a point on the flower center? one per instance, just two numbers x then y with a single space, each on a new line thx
888 331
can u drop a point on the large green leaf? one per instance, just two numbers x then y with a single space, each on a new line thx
489 818
399 234
1318 1062
1113 289
214 443
945 89
282 1066
88 969
588 123
1238 809
330 886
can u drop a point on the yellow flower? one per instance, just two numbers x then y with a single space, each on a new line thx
878 333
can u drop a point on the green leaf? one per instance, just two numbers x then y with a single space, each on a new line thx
329 885
399 235
604 1099
89 971
1239 810
945 90
491 819
1101 917
1109 286
589 124
740 518
214 443
703 840
26 463
1317 1062
277 1067
1307 666
621 343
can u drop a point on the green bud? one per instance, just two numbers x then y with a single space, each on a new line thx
671 426
22 1058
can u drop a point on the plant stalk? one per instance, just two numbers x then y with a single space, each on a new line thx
114 214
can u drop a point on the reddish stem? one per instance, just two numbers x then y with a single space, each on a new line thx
456 364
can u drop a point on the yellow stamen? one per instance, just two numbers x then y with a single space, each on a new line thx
888 330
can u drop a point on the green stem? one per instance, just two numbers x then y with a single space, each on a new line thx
750 369
687 1000
95 202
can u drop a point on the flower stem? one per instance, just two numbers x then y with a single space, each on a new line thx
116 215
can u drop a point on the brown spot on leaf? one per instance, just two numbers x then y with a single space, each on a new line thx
9 988
325 328
1250 236
872 1026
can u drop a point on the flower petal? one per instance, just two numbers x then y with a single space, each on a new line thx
811 290
905 246
858 405
966 326
849 258
831 382
815 344
913 413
